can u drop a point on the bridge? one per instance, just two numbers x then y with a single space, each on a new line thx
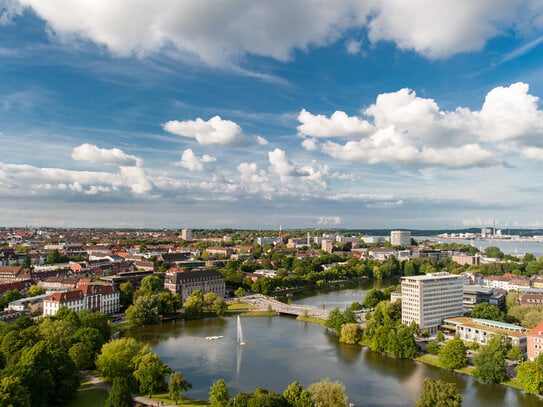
266 303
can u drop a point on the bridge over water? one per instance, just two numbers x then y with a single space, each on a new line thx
267 303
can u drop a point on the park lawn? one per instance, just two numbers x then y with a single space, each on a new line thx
259 314
237 306
313 320
89 398
164 397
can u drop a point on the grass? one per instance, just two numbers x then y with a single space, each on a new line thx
259 314
164 397
89 398
313 320
237 306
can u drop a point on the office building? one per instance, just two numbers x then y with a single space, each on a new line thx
400 238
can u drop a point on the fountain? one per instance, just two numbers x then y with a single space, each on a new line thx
240 333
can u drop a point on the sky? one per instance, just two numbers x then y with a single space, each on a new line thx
258 114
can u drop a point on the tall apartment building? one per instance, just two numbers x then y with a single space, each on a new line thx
186 234
400 238
430 298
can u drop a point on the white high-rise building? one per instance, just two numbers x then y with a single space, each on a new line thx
400 238
430 298
186 234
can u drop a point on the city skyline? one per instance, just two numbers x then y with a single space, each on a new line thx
356 114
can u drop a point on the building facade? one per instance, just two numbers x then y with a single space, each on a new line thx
93 297
535 341
185 282
400 238
430 298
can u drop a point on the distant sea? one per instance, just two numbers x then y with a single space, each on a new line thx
515 248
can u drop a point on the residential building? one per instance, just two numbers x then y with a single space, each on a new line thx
476 294
464 258
93 297
11 274
184 282
530 299
400 238
73 300
186 234
535 341
430 298
327 245
482 330
382 253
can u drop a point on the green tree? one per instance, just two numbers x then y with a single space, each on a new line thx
493 252
82 356
117 358
433 348
150 372
120 395
372 298
177 385
484 310
152 285
35 290
335 320
194 305
515 354
436 393
297 396
328 394
13 393
144 311
490 364
54 257
168 303
350 333
453 354
440 337
218 394
126 291
530 375
240 292
401 341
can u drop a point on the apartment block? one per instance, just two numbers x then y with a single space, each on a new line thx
430 298
400 238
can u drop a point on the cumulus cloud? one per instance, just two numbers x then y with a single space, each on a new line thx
213 131
338 125
281 165
190 161
94 154
221 33
412 131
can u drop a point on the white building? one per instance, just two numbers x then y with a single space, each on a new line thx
430 298
186 234
400 238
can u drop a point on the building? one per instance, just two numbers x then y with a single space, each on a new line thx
327 245
73 300
93 297
184 282
430 298
464 258
476 294
482 330
186 234
535 341
400 238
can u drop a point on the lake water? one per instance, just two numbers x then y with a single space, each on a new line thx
280 350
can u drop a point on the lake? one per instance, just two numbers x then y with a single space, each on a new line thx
279 350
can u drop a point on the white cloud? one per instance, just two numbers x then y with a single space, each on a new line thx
281 165
329 220
414 132
338 125
221 33
353 47
214 131
190 161
114 156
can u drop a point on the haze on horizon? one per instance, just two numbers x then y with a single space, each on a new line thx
307 114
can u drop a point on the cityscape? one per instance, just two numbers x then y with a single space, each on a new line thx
271 203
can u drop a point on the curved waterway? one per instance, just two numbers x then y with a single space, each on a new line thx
280 350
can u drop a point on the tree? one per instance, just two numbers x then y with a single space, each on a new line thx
82 356
515 354
335 320
168 303
126 291
218 394
530 375
35 290
152 285
440 337
194 305
119 395
240 292
490 364
433 348
372 298
453 354
484 310
436 393
297 396
401 341
13 393
328 394
350 333
144 311
150 372
177 385
117 358
493 252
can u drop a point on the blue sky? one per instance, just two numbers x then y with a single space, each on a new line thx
255 114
